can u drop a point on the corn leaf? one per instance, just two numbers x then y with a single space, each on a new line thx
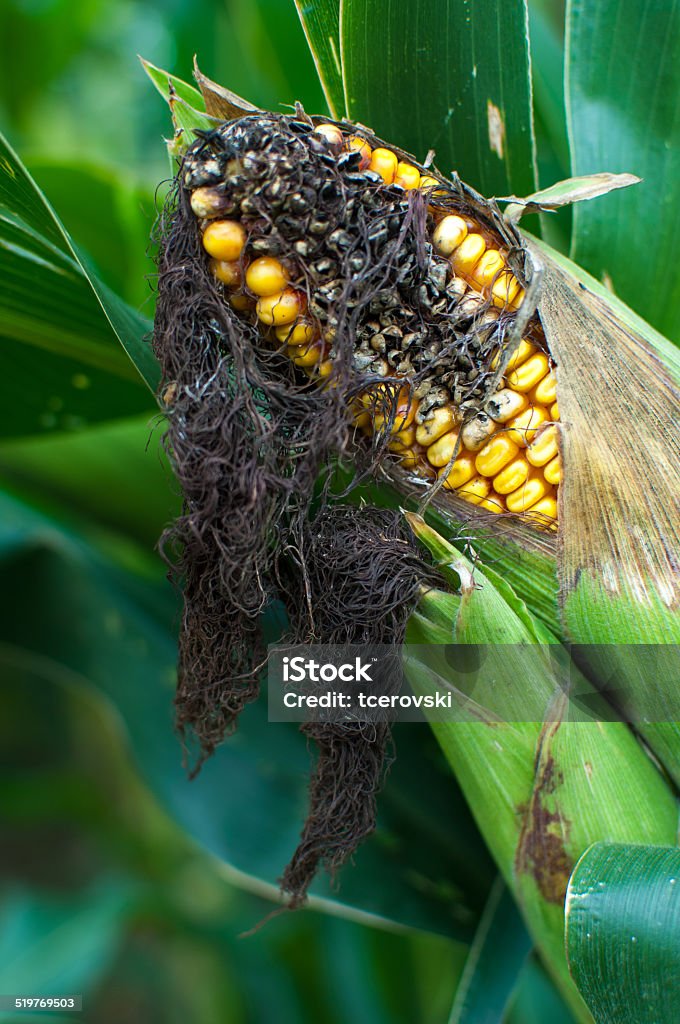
623 932
452 77
536 998
623 115
321 23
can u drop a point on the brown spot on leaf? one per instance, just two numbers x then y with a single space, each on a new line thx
496 128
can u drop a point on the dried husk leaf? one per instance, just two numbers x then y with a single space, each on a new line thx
221 103
564 193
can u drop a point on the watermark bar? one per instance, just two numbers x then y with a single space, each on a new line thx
26 1003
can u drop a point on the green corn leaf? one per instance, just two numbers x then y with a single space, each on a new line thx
427 75
321 23
623 932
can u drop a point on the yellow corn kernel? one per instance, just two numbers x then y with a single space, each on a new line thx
363 420
439 422
553 471
266 276
407 175
495 454
505 404
384 163
228 273
300 333
448 234
404 414
330 132
224 240
492 503
531 491
554 412
440 453
504 289
522 429
403 439
546 390
283 308
356 142
512 476
544 447
487 268
461 471
412 459
519 356
475 490
527 376
544 509
309 355
240 302
468 254
324 369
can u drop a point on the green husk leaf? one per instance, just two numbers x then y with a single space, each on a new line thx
321 24
164 82
623 932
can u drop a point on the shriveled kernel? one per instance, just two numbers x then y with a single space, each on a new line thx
228 273
519 356
490 264
546 390
407 175
308 355
448 234
553 471
475 432
330 132
224 240
384 163
554 412
504 290
283 308
495 454
543 448
475 490
266 276
512 476
522 429
527 376
441 452
208 202
531 491
300 333
545 508
240 302
441 420
461 471
356 142
505 404
468 254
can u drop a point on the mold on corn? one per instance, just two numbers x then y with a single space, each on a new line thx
278 238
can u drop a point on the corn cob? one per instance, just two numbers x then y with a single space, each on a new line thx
503 455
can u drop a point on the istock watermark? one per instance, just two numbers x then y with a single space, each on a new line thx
475 682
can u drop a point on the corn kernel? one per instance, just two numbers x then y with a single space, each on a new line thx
512 476
266 276
527 376
439 422
224 240
544 447
461 471
240 302
475 490
553 471
324 369
404 413
531 491
505 404
476 431
384 163
407 175
283 308
545 508
522 429
495 454
300 333
487 268
440 453
504 290
554 412
330 132
468 254
228 273
492 503
519 356
405 438
448 234
356 142
546 390
518 299
411 459
309 355
208 202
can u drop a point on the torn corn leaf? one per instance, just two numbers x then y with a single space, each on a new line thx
564 193
541 792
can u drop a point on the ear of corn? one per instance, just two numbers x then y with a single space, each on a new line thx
541 792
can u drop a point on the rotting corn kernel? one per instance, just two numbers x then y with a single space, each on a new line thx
440 421
330 132
355 142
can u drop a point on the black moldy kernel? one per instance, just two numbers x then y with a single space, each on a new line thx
250 436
